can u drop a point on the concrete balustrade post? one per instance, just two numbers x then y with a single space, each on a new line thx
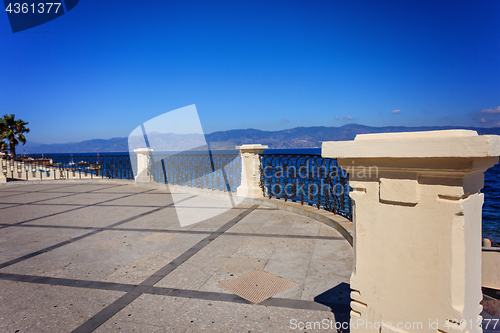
143 165
250 171
417 221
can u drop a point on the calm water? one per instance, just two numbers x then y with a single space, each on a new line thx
491 190
491 207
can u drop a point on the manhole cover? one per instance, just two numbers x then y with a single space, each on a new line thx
257 286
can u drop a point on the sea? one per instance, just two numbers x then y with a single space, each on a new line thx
491 190
491 206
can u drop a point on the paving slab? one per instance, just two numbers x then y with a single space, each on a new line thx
20 214
31 307
32 240
83 198
93 217
32 197
77 187
144 199
20 186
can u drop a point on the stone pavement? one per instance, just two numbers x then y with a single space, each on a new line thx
110 257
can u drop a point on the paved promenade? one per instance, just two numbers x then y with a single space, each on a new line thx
109 257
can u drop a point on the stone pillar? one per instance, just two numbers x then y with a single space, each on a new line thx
143 165
417 223
250 172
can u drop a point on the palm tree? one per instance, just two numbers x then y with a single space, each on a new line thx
13 130
3 147
3 144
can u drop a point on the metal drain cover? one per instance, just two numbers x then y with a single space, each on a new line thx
257 286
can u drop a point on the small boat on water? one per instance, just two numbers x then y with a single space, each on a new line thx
37 161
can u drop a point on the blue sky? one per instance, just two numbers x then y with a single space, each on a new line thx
107 66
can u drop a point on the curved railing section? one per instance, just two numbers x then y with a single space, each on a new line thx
308 179
216 171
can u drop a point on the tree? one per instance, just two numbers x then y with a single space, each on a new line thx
3 144
3 147
13 130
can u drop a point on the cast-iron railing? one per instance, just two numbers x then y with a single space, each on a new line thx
69 167
219 170
308 179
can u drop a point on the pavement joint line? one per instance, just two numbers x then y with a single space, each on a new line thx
70 210
72 240
56 192
86 184
78 205
132 206
174 231
164 291
35 202
67 282
108 312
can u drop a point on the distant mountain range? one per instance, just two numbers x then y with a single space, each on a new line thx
299 137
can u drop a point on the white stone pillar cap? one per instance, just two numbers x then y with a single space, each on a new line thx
430 144
254 147
143 151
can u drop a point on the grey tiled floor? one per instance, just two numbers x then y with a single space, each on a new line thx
108 257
